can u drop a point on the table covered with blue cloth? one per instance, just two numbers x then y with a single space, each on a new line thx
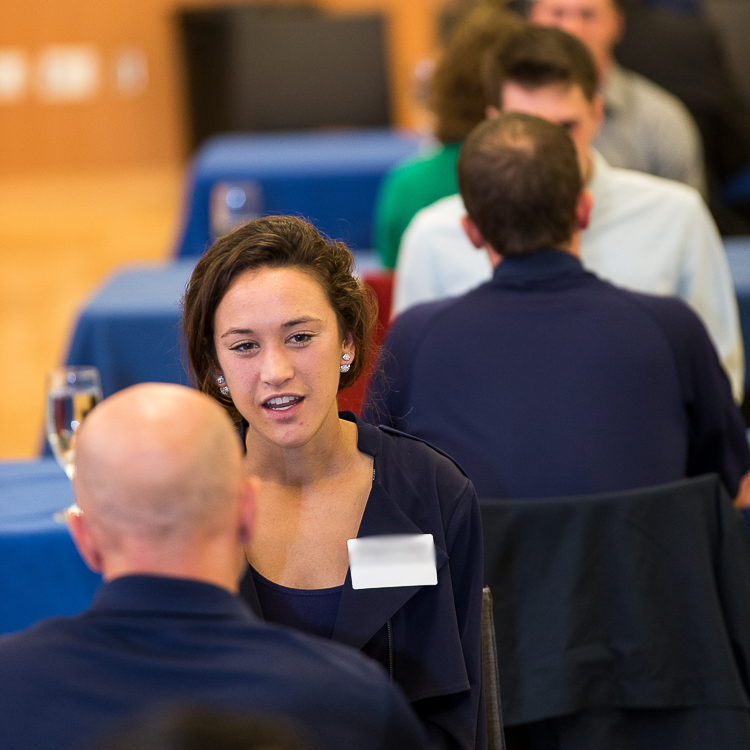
130 328
330 178
41 572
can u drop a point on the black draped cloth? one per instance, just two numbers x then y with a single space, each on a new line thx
623 619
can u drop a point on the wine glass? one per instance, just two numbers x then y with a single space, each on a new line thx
72 392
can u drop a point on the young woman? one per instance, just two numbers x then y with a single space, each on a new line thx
276 325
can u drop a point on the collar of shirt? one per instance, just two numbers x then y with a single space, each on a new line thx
615 90
597 184
368 436
539 265
168 596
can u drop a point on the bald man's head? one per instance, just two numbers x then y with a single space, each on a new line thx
157 460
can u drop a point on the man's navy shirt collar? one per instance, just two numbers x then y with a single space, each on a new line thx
540 264
167 596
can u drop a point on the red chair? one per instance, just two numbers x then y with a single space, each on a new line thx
381 282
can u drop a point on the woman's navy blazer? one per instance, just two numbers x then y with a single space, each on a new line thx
427 637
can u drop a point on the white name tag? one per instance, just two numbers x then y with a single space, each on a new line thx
379 562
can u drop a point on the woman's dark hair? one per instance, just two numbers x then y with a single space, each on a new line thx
273 242
457 95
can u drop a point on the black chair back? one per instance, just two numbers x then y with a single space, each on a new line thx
630 600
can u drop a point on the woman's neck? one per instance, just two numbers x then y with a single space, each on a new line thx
325 456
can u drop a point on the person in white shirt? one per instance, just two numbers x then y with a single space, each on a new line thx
646 233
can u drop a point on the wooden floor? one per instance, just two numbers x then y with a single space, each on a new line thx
60 236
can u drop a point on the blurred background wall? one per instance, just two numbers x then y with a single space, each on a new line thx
94 143
97 83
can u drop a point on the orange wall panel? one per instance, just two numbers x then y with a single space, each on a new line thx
112 130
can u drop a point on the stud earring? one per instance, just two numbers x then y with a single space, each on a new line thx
220 380
224 390
345 368
346 357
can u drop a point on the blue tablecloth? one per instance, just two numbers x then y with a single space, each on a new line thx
330 178
130 328
41 572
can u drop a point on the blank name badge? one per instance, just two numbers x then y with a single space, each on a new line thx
379 562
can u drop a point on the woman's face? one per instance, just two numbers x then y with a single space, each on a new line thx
279 347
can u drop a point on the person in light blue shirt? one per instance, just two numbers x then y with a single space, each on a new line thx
645 233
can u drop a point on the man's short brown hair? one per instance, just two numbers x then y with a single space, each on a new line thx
520 181
540 56
457 95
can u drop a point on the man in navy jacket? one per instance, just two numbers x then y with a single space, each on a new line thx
165 512
546 380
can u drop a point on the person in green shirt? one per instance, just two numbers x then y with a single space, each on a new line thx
458 101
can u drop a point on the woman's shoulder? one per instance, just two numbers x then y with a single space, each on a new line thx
427 485
407 464
402 443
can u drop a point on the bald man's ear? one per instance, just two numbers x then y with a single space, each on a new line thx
247 510
472 232
584 206
84 540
